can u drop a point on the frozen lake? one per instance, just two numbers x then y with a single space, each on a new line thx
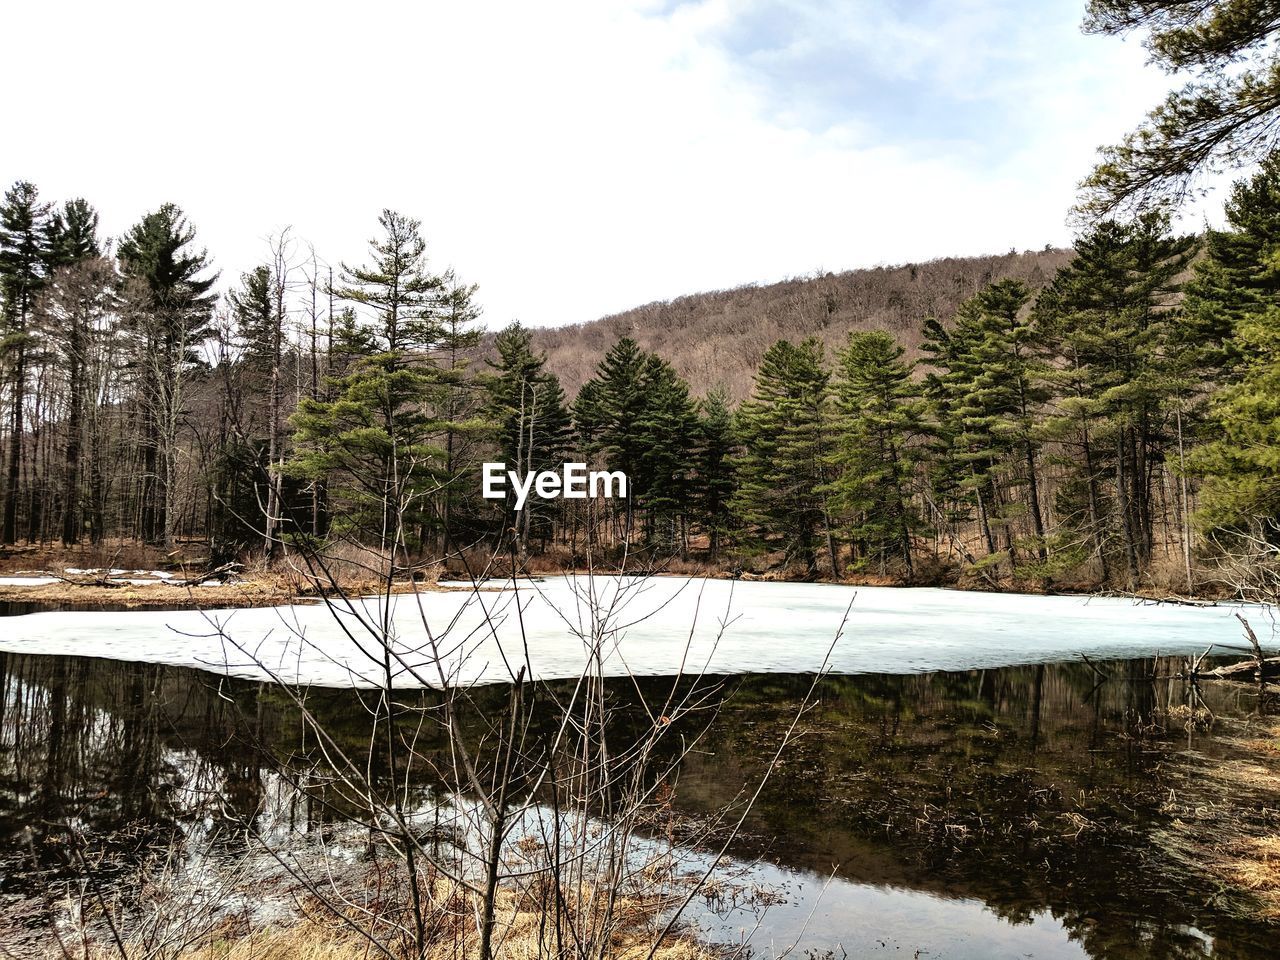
654 626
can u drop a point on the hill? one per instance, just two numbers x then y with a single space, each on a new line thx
718 338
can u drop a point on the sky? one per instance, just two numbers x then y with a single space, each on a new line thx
577 157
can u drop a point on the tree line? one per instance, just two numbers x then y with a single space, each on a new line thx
1109 427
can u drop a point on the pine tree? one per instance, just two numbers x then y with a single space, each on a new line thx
607 410
253 310
169 305
714 467
637 416
664 436
1233 301
1222 344
609 403
81 291
72 234
375 444
527 404
880 419
1233 280
23 273
1241 492
786 432
463 400
1112 322
404 299
258 311
1224 116
986 392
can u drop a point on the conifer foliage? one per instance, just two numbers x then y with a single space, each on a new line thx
881 420
787 430
376 442
1116 422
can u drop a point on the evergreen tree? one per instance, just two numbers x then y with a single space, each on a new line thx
1234 301
23 272
1224 116
527 404
637 416
986 394
1111 320
253 309
1241 467
256 308
663 441
607 410
1234 280
786 432
714 467
169 303
376 443
72 234
81 291
403 298
609 404
880 419
462 403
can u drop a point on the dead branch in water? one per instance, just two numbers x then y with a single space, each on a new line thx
216 573
1172 599
103 579
1259 668
1264 670
1102 674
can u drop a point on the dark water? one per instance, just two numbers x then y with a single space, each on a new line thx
1026 812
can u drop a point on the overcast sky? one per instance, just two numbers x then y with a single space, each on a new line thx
577 158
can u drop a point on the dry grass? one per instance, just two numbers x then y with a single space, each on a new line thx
1256 867
522 934
304 941
1221 817
112 553
346 566
1262 872
309 941
150 596
354 570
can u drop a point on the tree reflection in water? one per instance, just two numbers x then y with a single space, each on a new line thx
1036 791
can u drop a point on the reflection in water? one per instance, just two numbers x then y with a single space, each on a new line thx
1029 811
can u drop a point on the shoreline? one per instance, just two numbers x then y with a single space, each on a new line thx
270 590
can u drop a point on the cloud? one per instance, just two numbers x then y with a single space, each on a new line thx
580 157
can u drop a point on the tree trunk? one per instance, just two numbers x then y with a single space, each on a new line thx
1126 518
75 430
1095 510
1184 508
1033 493
14 471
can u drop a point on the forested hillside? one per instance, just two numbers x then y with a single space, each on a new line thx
718 339
1103 416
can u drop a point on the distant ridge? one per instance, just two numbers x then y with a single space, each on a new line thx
718 338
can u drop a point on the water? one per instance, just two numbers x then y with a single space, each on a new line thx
646 626
1027 811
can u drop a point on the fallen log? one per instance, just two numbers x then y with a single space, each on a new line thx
1258 668
215 574
1268 669
102 579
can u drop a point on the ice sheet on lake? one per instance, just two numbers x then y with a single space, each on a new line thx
649 626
